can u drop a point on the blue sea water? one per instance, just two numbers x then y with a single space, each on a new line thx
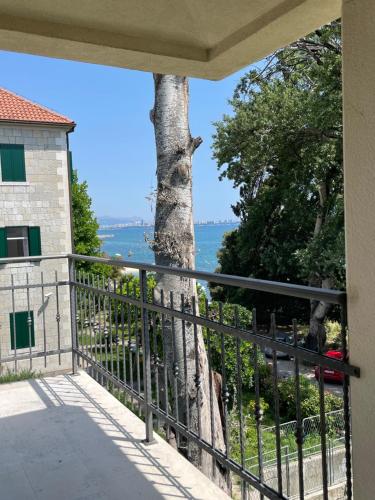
130 243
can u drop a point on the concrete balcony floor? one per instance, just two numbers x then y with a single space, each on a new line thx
67 438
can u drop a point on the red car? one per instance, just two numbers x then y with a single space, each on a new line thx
330 375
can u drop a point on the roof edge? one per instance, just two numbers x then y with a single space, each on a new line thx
70 125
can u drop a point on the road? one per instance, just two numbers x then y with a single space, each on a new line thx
286 369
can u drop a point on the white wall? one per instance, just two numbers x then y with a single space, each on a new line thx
359 171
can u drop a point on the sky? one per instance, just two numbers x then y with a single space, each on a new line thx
113 144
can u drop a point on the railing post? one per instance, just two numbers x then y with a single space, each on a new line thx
73 313
287 471
330 462
146 357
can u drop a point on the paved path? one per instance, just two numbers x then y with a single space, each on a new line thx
286 369
67 438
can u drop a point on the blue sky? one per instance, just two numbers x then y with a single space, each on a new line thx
113 144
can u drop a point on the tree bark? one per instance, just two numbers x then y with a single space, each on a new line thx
174 246
322 203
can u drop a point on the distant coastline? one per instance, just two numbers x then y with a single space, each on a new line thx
149 224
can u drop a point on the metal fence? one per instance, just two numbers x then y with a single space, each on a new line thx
336 472
180 363
335 424
34 314
336 469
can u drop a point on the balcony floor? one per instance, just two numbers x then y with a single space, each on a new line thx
67 438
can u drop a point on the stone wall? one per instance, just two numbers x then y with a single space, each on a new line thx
43 200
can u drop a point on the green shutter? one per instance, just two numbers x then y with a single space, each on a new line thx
12 162
23 333
70 166
3 243
35 247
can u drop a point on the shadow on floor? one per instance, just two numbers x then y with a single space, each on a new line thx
73 448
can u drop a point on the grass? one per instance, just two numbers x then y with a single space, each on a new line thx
17 377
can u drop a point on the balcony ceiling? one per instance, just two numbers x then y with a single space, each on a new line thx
202 38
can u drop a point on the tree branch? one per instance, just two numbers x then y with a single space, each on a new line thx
195 143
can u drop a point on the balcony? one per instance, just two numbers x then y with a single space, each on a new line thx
66 437
136 365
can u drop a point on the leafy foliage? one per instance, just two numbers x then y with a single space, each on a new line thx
333 331
282 147
309 399
230 315
129 285
85 227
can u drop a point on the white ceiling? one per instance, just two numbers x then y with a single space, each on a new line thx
205 38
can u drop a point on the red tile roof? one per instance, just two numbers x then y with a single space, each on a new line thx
14 108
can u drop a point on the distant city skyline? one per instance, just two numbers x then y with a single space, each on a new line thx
118 219
113 144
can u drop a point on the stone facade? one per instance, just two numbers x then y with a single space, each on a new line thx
43 200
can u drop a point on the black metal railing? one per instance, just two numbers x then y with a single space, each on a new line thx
39 340
139 355
195 371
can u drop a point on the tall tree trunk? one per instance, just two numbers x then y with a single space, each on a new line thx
318 309
174 246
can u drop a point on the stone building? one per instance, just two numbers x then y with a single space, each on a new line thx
35 219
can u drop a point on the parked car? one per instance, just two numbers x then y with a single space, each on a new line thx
281 337
330 375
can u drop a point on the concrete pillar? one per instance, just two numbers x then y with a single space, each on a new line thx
359 168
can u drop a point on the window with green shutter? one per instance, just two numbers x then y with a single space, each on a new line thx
20 241
22 329
12 159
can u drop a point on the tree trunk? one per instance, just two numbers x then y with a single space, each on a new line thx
174 246
318 310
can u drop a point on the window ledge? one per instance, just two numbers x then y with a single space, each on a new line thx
19 265
23 350
13 183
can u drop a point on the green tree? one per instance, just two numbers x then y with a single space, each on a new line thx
282 147
85 227
310 402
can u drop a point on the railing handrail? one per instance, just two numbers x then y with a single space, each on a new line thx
276 287
34 258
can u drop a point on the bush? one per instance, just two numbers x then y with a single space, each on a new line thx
129 285
231 315
249 433
309 399
333 333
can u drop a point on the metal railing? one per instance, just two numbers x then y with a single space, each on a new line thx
38 293
311 425
179 362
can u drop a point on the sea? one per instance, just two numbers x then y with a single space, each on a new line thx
131 244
